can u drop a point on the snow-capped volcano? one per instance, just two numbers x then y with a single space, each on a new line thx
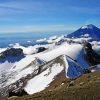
90 26
90 29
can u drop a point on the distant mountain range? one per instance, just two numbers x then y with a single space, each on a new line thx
90 29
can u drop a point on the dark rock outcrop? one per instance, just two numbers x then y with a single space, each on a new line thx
90 55
41 49
11 52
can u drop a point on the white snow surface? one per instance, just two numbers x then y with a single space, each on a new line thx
5 66
73 50
20 74
84 27
2 49
41 81
87 27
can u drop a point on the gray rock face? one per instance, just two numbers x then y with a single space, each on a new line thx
11 52
90 55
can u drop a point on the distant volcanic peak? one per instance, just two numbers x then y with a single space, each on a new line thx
89 30
90 26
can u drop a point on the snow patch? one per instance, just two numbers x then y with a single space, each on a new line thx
87 27
41 81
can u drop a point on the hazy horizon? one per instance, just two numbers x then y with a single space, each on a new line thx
47 15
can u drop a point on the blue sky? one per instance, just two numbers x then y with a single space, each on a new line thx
47 15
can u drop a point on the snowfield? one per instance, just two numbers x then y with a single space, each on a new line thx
74 51
41 81
33 60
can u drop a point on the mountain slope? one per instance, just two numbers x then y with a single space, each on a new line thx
86 87
35 73
90 29
29 68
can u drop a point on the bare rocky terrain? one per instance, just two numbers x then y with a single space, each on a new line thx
86 87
